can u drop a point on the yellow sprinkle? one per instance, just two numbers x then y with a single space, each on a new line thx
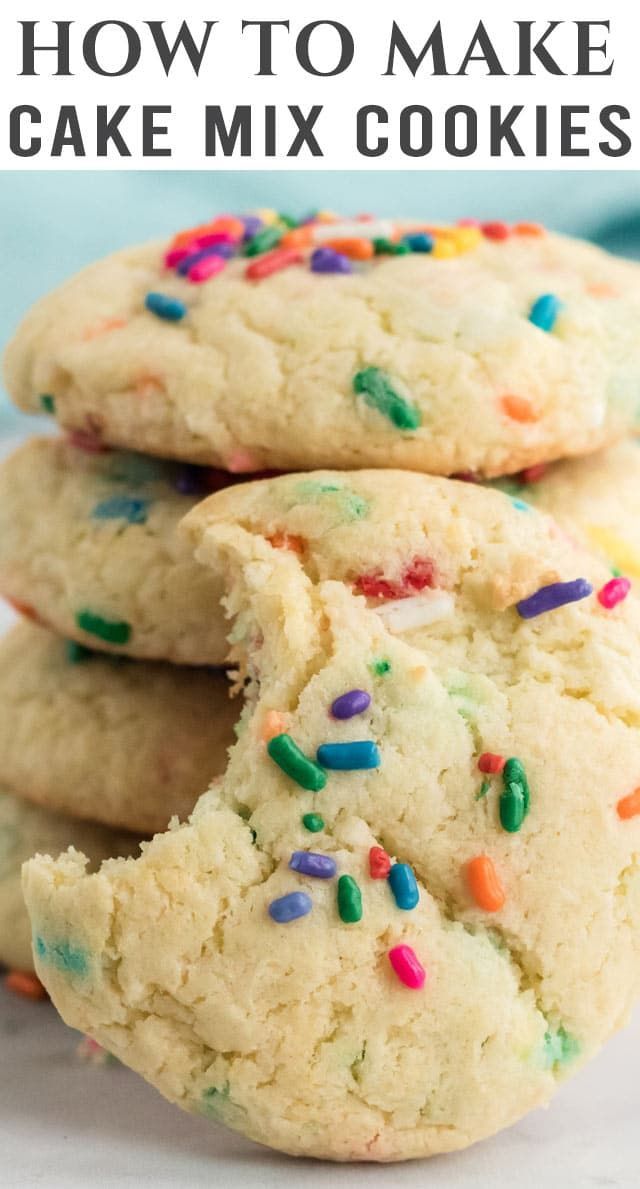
467 238
444 248
268 216
326 217
616 549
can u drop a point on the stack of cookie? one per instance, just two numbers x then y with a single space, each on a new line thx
409 906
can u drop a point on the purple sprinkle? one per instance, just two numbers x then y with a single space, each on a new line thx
190 480
308 863
328 260
557 594
224 250
356 701
252 225
290 907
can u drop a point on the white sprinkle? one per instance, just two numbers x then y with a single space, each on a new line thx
374 229
402 615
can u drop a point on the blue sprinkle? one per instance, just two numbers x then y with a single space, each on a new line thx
403 884
252 225
225 250
419 242
63 956
122 507
290 907
328 260
345 757
309 863
521 505
170 308
544 311
355 701
556 594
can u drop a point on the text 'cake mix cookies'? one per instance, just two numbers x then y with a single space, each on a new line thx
412 902
251 343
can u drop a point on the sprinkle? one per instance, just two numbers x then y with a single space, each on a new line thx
273 262
531 229
356 248
534 474
252 225
25 984
379 393
544 312
223 250
121 507
82 439
349 900
512 808
112 631
483 790
264 241
404 615
288 541
381 667
288 756
290 907
518 409
308 863
403 884
379 863
63 955
616 549
77 653
407 967
521 505
190 480
274 724
24 609
484 885
419 242
169 308
356 701
298 237
204 269
614 592
514 773
241 462
387 247
287 220
629 806
93 1053
174 257
418 574
348 757
313 822
491 763
47 403
327 260
556 594
105 326
495 231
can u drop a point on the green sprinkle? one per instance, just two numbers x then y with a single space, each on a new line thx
512 808
386 247
560 1047
617 573
379 393
348 503
266 239
313 822
287 221
112 631
77 653
484 789
62 955
381 667
349 900
513 772
288 756
47 403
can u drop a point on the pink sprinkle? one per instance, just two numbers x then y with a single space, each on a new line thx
407 967
83 440
468 222
614 592
213 237
241 462
204 269
175 256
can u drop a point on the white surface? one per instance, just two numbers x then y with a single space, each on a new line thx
67 1124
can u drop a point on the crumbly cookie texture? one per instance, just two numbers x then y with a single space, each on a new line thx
89 546
481 350
390 1017
24 831
124 743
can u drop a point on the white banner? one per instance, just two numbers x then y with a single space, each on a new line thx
319 85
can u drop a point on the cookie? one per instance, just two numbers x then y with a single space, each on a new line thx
24 831
124 743
411 905
88 545
374 343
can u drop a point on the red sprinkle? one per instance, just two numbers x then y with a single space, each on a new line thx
379 863
26 984
407 966
272 262
419 574
24 609
614 592
82 439
535 473
495 230
491 763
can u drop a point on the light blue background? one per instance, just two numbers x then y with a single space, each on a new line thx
51 224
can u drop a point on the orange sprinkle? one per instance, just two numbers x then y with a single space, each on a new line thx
282 540
484 885
533 229
24 609
103 327
518 408
22 982
274 724
629 806
298 237
225 223
148 385
354 248
601 289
